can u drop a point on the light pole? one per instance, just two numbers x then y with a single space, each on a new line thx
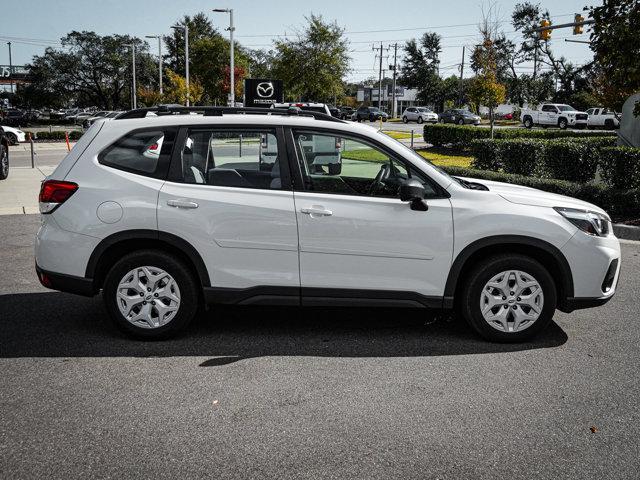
159 37
232 79
186 55
133 71
10 67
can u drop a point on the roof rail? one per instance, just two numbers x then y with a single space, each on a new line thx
219 111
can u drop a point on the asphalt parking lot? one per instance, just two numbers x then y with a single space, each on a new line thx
315 393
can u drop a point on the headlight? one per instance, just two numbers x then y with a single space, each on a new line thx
591 223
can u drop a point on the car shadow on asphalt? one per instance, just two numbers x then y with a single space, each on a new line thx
62 325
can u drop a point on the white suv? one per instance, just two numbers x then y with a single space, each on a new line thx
164 213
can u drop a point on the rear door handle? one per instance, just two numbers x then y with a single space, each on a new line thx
182 203
317 211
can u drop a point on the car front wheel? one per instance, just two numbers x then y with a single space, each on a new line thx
13 139
150 295
508 298
420 120
562 124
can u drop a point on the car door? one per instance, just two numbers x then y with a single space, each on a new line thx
355 233
412 115
552 115
229 196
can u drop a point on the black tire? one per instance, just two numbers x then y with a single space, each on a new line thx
12 138
441 120
528 122
469 305
608 124
460 122
405 119
420 120
562 123
189 293
4 162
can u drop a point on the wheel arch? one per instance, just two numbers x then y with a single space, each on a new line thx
544 252
113 247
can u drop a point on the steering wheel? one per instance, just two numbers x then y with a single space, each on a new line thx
382 176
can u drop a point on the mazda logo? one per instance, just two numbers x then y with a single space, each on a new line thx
265 89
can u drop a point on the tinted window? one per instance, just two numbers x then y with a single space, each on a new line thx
549 108
137 152
350 166
242 159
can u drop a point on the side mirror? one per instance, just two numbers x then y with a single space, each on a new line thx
411 190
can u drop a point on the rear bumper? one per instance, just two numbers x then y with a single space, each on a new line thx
66 283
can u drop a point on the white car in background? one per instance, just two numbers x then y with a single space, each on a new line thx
14 135
420 115
603 118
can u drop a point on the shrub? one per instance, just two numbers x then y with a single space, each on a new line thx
461 135
55 135
619 204
620 167
486 155
574 159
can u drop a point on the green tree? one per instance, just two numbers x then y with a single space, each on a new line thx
615 42
90 70
420 67
313 65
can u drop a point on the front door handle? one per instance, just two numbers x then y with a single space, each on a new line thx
317 211
182 203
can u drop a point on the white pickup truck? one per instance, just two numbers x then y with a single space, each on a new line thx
554 115
603 118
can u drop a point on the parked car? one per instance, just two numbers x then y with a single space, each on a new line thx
603 118
335 111
14 135
4 155
305 106
346 112
554 115
459 116
81 117
237 209
420 115
87 122
369 113
14 118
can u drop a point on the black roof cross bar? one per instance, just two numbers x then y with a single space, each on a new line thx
220 111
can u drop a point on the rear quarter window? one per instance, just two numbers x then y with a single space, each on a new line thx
145 152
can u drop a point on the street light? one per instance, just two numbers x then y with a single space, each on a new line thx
10 67
232 72
133 60
159 37
186 55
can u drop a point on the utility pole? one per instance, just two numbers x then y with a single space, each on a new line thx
134 99
535 58
232 72
394 106
379 77
159 37
461 76
10 67
186 56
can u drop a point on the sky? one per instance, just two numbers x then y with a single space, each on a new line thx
37 24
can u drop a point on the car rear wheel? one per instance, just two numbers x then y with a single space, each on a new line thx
461 122
4 162
405 119
608 124
441 120
508 298
150 295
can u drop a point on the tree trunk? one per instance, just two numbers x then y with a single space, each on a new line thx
491 121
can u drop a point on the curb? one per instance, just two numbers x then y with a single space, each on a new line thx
626 232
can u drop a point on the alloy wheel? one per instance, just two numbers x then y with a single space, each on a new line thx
511 301
148 297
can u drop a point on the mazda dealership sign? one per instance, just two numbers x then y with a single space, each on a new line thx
261 92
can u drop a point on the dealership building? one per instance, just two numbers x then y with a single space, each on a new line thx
405 97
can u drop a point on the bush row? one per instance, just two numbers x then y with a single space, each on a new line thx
55 135
620 204
573 159
460 136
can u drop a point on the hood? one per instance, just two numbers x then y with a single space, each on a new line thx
532 196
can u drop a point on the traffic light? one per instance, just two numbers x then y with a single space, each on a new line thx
546 33
577 29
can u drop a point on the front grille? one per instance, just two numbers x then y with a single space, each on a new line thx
582 116
607 283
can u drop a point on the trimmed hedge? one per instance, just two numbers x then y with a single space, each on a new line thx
620 204
573 159
620 167
55 135
461 136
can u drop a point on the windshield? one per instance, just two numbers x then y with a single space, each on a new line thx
566 108
422 109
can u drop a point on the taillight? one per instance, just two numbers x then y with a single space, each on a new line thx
54 193
153 147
